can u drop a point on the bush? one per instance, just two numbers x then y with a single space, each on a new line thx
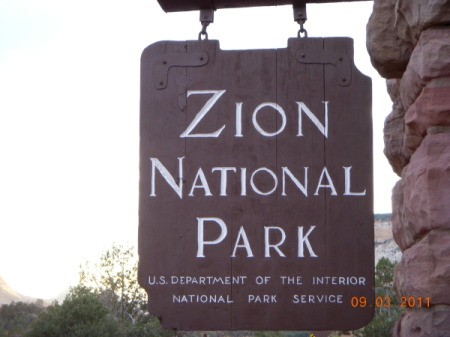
16 318
385 317
81 315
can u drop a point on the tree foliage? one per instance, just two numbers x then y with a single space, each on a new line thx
16 318
80 315
386 315
384 273
114 278
107 302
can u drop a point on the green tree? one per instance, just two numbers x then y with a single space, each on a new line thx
382 323
16 318
388 313
384 273
80 315
114 278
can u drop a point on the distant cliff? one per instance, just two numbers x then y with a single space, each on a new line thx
385 245
8 295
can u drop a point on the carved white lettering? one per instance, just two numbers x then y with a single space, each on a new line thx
280 111
271 174
348 182
303 240
223 178
263 181
203 184
239 120
329 185
323 128
245 243
274 239
157 165
276 246
303 188
201 237
216 94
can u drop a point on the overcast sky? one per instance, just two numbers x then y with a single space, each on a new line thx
69 119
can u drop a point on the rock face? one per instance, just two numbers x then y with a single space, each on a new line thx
431 108
434 322
413 17
428 63
394 130
8 295
385 245
388 53
417 139
422 196
424 270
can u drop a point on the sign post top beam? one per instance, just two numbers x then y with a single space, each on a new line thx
189 5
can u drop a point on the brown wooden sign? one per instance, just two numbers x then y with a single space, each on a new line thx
256 199
187 5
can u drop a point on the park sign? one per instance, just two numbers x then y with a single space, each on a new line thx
256 191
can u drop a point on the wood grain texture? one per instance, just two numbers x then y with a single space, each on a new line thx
269 88
187 5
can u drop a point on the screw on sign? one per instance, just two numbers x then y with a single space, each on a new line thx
256 206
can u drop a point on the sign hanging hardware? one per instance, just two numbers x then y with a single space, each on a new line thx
193 5
206 17
300 17
162 63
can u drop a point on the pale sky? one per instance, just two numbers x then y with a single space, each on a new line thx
69 119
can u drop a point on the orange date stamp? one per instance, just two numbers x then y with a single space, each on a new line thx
386 302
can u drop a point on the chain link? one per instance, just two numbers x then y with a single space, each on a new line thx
203 32
302 30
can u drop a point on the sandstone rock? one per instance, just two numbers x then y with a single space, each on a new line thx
396 330
426 191
424 270
388 53
393 89
433 322
402 236
414 16
431 108
394 130
429 61
411 141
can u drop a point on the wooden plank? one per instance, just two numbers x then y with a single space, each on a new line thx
350 218
188 5
155 144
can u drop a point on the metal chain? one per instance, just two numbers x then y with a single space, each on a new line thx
300 17
203 31
206 17
302 30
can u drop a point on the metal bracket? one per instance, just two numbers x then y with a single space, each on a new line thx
162 64
343 64
206 17
300 16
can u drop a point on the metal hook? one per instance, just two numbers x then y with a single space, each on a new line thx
300 17
203 32
302 31
206 17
